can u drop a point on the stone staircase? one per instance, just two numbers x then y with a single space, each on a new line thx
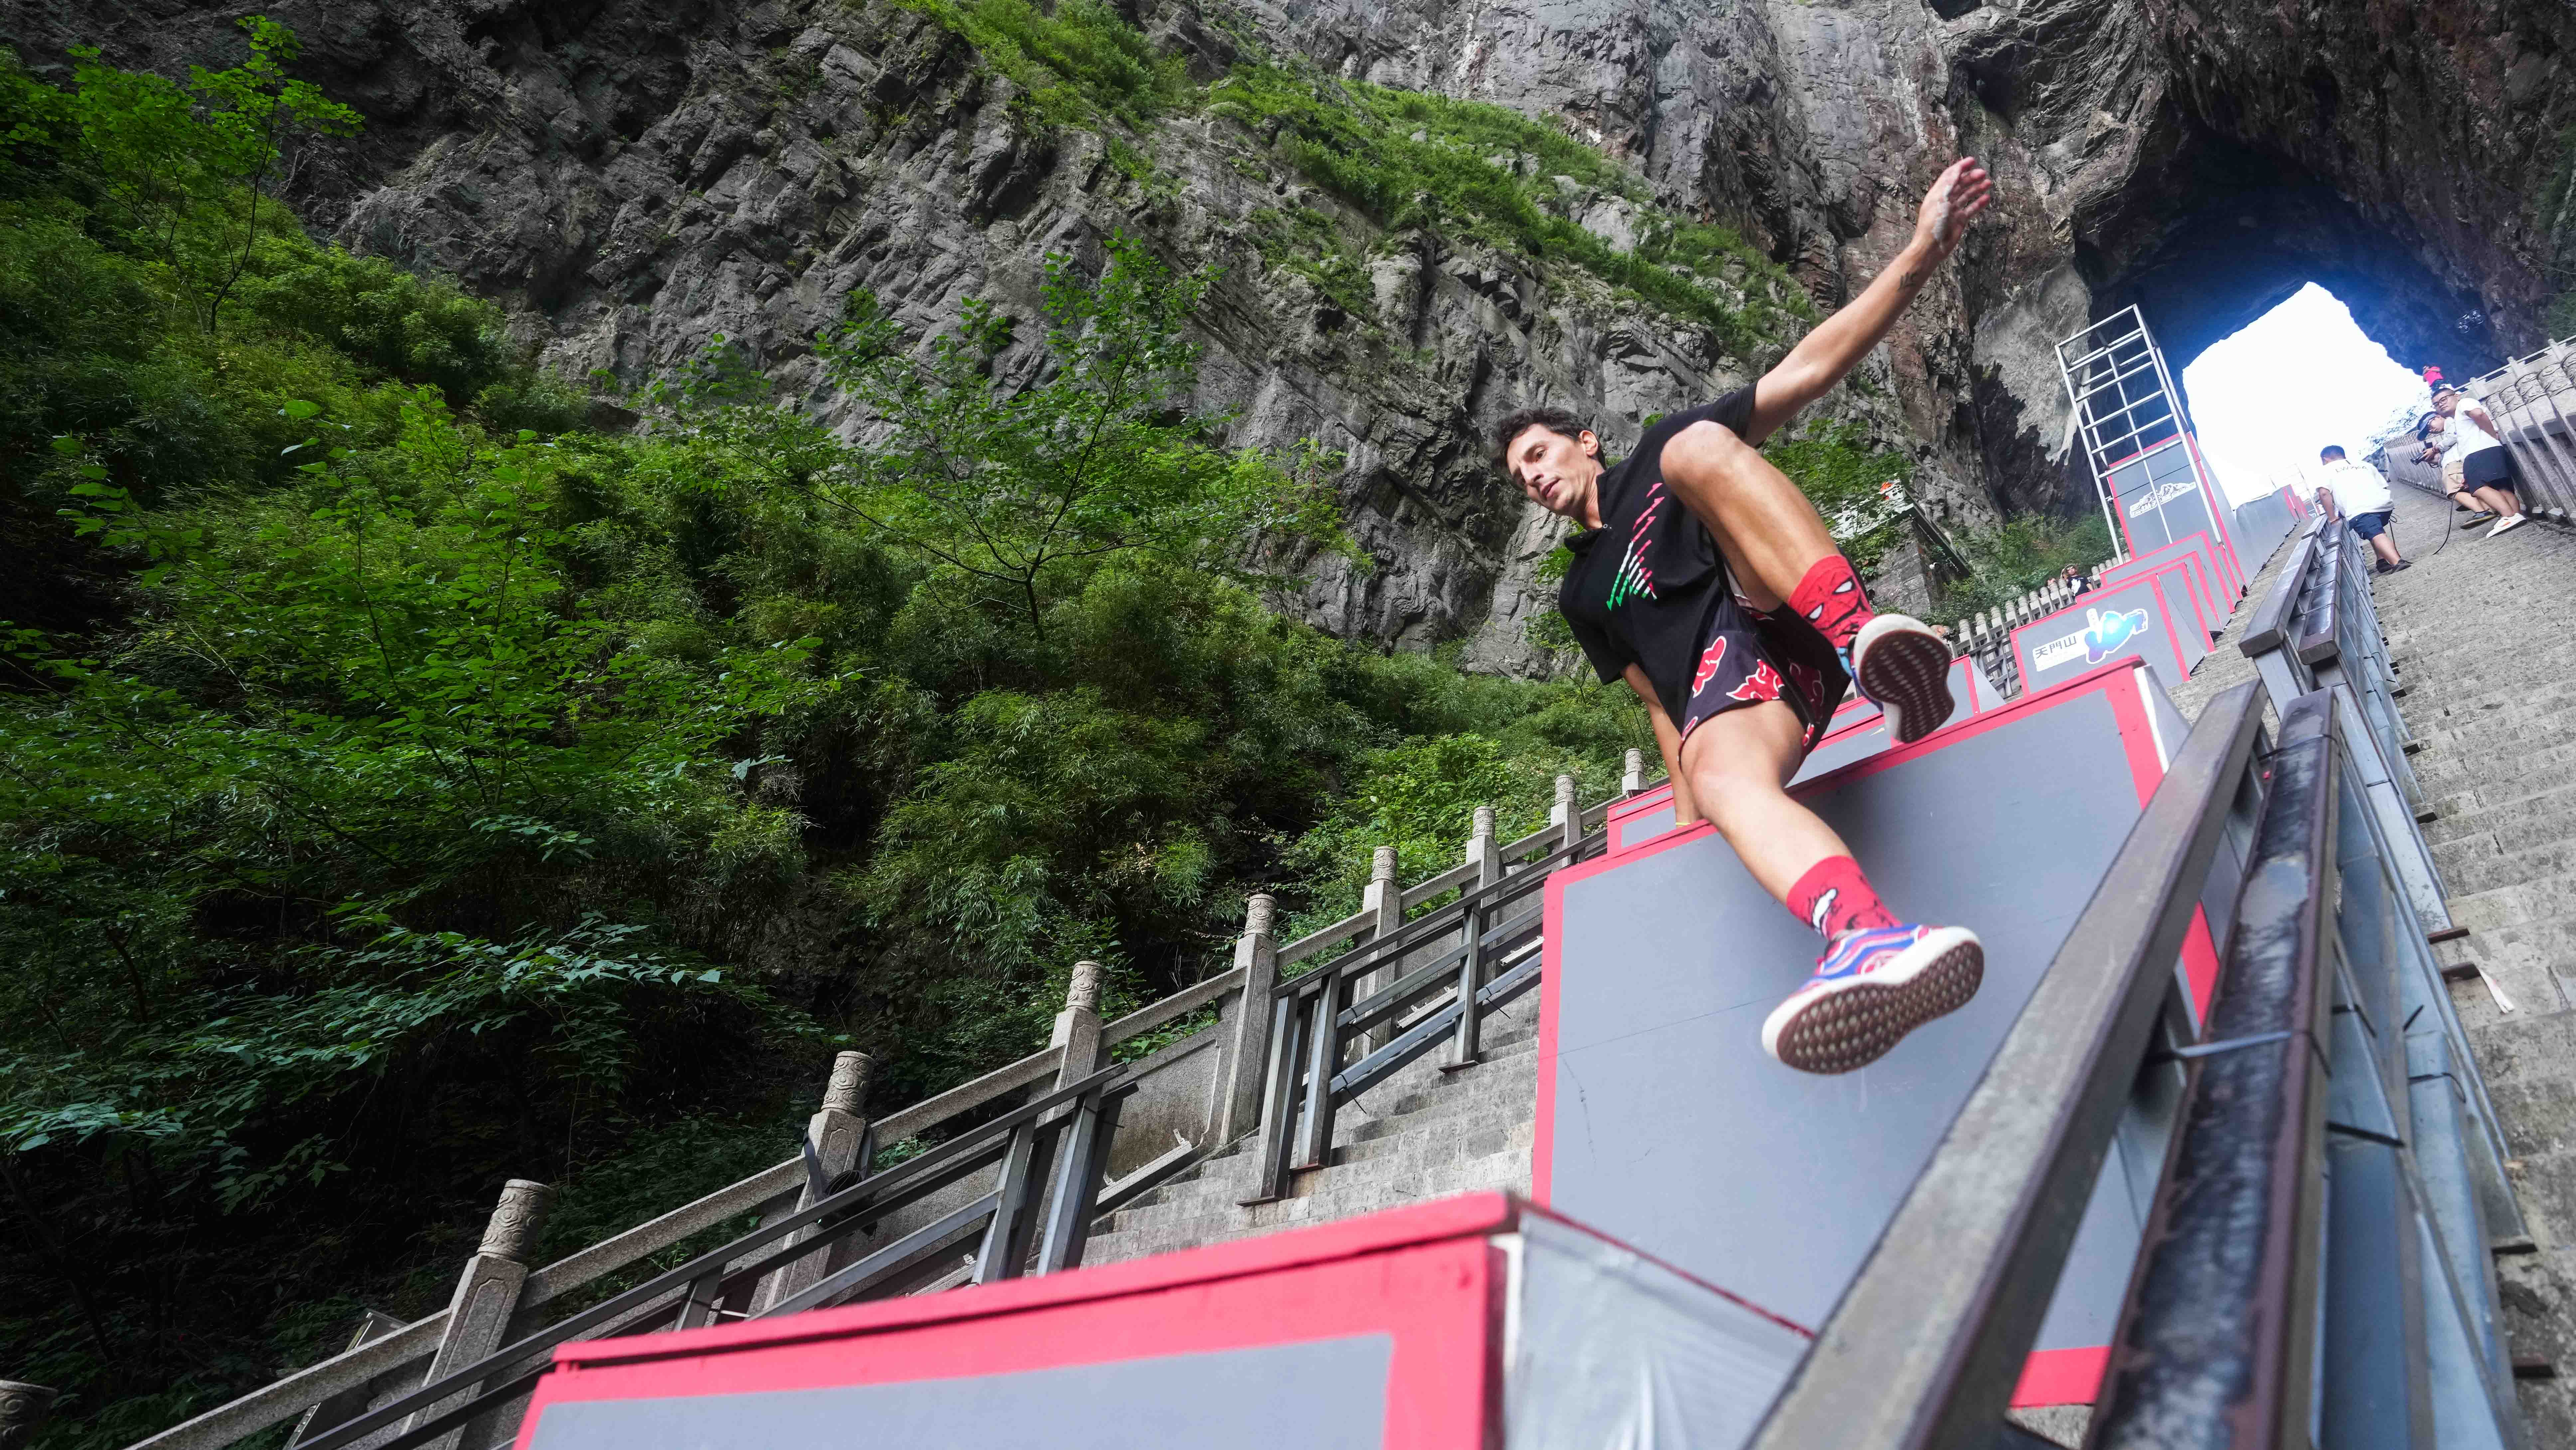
1424 1133
2491 696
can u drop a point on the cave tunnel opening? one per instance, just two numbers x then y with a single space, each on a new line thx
2290 315
2267 397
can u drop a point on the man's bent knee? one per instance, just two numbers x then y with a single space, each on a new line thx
1706 452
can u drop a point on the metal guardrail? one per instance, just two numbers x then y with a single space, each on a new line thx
1452 968
2317 1269
2317 1253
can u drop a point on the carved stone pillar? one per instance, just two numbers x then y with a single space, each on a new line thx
1077 1027
1248 1041
1632 773
836 1133
23 1407
1565 814
487 1293
1483 851
1384 901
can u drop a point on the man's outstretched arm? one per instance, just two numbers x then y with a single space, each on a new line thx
1840 341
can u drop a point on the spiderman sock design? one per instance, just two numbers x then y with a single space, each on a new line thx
1830 599
1834 898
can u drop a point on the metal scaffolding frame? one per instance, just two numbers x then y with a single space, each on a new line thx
2125 402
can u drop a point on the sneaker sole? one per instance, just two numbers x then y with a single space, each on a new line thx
1905 670
1854 1024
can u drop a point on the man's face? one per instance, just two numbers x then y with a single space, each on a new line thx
1558 473
2446 403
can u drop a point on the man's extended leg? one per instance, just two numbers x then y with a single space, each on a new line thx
1878 979
2503 503
1778 550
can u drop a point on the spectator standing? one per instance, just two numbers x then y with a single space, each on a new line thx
2358 494
2486 469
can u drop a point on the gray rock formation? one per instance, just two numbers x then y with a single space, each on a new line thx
632 178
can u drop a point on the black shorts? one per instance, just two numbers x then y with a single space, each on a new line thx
1749 656
2488 468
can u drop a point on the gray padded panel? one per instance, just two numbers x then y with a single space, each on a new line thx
1675 1133
2053 650
1325 1394
2161 499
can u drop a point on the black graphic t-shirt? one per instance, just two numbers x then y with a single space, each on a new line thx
1646 584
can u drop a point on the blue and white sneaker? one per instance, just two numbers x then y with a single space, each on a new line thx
1871 988
1899 664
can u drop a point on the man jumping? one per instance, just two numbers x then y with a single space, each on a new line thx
1707 582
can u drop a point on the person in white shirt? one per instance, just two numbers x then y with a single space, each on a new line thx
2356 493
2486 469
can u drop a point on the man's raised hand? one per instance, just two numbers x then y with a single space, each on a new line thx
1954 201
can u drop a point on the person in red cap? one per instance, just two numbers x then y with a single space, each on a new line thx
1704 579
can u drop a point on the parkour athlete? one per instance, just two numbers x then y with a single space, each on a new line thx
1705 579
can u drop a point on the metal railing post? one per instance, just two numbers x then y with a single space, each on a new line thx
487 1294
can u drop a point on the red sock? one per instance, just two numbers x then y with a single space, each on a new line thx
1830 598
1833 897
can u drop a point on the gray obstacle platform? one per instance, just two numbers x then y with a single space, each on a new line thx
1663 1123
1267 1395
2262 523
1857 731
2199 557
2164 495
2183 603
2133 621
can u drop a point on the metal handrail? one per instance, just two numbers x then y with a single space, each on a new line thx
2218 1301
1315 1022
1926 1345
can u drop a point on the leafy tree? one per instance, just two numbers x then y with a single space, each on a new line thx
178 160
1024 489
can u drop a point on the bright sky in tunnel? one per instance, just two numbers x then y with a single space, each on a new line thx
2299 377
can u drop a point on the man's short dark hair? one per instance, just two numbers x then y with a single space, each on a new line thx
2331 450
1554 420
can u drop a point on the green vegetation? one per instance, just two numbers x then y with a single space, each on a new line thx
1480 173
1834 466
1473 172
2021 555
2555 207
407 788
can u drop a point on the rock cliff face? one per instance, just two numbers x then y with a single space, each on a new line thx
633 176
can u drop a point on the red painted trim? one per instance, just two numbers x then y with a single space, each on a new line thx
1551 969
2222 516
1435 1300
1470 1214
2179 435
2061 1377
2200 614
